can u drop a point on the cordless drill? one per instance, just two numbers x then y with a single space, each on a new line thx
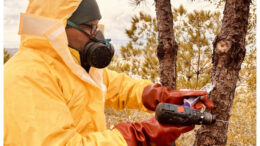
173 114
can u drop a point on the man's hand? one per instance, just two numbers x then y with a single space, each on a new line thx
156 93
150 132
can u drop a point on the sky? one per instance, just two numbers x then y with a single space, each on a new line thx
116 16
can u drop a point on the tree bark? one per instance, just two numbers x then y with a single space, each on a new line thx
167 46
228 55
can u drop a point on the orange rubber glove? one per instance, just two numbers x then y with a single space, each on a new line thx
150 132
156 93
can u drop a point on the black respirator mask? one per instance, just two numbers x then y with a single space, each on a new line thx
98 52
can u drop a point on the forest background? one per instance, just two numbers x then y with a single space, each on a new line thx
194 32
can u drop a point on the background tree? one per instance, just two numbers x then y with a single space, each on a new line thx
167 46
229 53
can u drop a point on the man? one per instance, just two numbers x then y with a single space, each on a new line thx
55 94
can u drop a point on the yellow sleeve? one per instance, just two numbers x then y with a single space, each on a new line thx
123 91
36 113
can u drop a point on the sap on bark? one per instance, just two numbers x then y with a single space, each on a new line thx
223 47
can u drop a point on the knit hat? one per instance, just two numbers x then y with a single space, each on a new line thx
87 11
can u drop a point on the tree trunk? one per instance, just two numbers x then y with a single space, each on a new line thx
167 47
228 55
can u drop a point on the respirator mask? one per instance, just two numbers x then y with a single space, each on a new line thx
98 52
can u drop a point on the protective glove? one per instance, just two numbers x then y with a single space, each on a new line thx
156 93
150 132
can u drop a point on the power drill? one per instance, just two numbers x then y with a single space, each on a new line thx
173 114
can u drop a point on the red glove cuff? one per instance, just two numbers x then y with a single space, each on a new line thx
150 131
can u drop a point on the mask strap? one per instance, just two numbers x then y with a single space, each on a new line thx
71 24
107 42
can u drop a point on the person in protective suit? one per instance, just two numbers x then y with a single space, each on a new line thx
56 86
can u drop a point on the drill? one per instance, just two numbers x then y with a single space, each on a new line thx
173 114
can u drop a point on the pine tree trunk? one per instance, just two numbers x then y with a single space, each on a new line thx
167 47
228 55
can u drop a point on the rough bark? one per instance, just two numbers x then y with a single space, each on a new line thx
228 55
167 46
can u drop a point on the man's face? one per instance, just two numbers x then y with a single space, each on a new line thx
77 39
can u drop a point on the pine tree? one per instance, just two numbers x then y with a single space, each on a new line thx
167 45
228 55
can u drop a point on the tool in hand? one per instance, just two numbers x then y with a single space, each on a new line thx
173 114
184 115
167 113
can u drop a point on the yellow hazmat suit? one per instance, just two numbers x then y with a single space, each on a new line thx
49 99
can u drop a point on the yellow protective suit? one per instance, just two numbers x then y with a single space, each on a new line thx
49 99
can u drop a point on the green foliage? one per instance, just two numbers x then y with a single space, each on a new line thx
194 33
194 54
6 56
138 58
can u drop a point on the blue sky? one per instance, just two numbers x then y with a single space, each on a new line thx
116 16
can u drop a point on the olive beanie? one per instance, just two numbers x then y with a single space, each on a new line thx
87 11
